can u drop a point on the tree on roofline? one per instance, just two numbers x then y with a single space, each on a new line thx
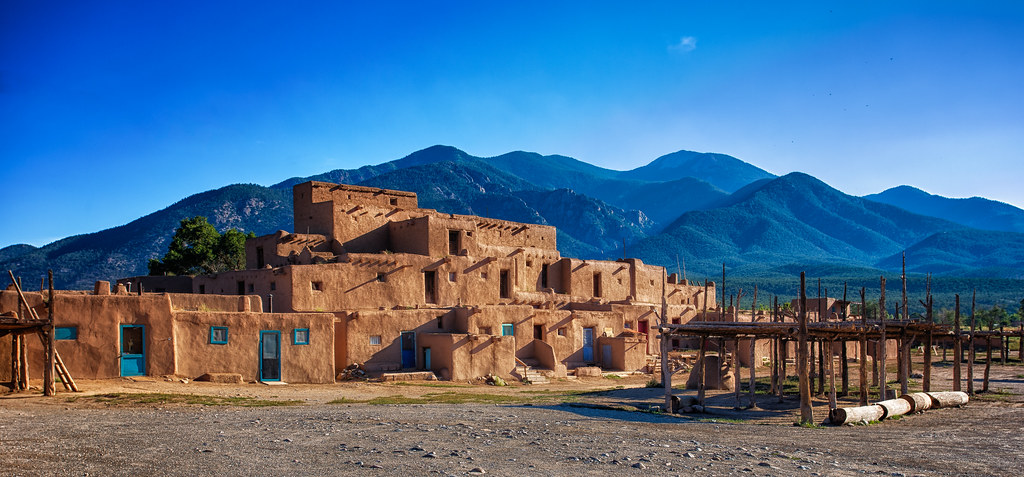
198 248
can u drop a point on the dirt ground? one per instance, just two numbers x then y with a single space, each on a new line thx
591 426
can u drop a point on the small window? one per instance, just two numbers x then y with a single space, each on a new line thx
273 286
451 276
440 322
597 284
483 275
485 330
529 263
300 336
317 286
507 329
218 335
202 289
561 331
375 340
382 277
65 333
394 201
628 325
252 287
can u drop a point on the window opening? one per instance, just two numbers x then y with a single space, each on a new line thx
505 284
430 286
218 335
300 336
375 340
597 284
65 333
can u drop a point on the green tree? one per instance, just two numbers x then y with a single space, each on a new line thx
198 248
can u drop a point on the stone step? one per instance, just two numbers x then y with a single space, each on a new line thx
410 376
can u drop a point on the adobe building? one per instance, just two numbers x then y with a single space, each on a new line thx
370 278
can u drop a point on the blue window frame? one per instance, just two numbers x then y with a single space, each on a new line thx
218 335
300 336
65 333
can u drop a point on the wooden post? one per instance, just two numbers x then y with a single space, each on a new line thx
844 366
736 369
780 352
863 350
723 284
15 362
23 357
907 340
666 373
49 387
970 349
806 411
988 361
926 384
831 376
701 385
821 343
753 350
904 353
882 384
957 346
1004 346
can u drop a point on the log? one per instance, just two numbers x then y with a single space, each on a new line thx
918 401
894 407
849 415
944 399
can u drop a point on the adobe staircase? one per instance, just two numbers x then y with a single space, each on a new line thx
525 368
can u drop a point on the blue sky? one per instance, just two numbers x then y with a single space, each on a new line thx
112 110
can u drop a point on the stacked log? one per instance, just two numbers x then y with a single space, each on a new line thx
906 404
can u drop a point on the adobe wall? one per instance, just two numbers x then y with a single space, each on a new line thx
211 303
627 353
282 248
260 283
463 357
95 353
310 363
389 324
410 236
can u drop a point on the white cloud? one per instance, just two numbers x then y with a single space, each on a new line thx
686 44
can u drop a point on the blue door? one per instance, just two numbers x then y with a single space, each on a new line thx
270 355
426 359
133 350
408 349
588 344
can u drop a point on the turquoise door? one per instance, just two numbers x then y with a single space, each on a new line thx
270 355
133 350
426 359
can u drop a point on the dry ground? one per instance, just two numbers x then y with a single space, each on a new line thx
142 426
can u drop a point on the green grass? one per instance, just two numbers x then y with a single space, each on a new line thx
612 376
524 396
136 399
431 385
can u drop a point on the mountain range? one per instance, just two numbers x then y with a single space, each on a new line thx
683 210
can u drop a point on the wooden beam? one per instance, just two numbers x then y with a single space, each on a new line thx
844 365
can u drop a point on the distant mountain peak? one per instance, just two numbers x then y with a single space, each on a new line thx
723 171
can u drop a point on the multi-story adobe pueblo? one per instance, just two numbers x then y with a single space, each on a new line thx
370 278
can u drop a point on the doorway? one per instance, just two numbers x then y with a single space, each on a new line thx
408 349
588 345
133 350
270 355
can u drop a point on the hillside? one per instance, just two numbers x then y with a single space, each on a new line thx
724 172
793 219
975 212
965 253
80 260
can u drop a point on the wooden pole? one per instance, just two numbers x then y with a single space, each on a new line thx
49 388
23 357
666 373
863 350
15 362
780 350
988 361
882 384
806 411
701 385
821 343
926 384
831 376
844 366
737 379
753 350
970 350
957 346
